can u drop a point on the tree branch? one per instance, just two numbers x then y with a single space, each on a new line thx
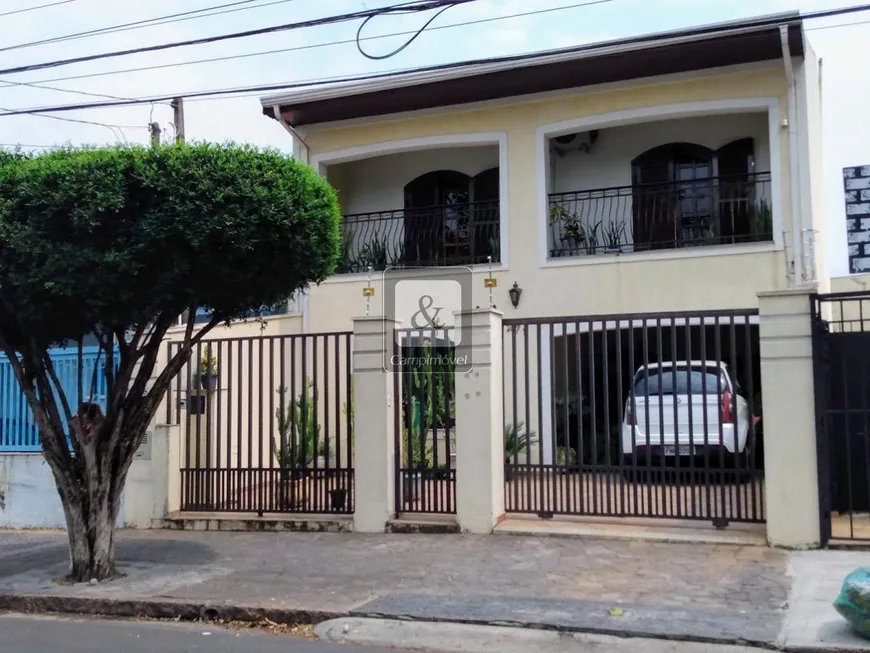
172 369
52 375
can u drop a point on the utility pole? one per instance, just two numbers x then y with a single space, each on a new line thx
178 109
154 128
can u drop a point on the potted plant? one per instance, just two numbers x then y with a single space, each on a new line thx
208 370
565 457
516 439
338 496
570 232
614 236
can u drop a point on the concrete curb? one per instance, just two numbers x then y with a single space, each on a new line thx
183 610
211 612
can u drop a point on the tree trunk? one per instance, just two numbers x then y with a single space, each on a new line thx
91 532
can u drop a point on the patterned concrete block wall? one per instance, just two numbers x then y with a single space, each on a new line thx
856 181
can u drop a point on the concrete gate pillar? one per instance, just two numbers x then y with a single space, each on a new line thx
480 422
788 410
373 423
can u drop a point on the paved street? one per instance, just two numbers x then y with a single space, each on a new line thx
26 634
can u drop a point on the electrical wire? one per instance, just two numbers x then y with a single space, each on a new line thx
852 24
413 6
312 46
195 14
62 90
44 147
46 6
217 93
393 53
79 120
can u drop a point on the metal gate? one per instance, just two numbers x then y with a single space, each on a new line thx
425 418
267 424
841 357
655 416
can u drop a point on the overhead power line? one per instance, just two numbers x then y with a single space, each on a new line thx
194 14
80 121
216 93
302 47
46 6
62 90
414 6
42 147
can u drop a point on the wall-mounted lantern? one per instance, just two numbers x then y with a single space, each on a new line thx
515 293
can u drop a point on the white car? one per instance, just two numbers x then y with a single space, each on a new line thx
675 409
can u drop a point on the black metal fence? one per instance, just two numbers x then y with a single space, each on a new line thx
841 356
635 415
700 212
455 234
267 424
425 418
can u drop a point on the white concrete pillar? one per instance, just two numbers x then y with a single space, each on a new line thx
480 422
374 423
788 410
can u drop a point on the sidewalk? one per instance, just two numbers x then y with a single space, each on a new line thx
728 594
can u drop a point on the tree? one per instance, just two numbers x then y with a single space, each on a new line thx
117 243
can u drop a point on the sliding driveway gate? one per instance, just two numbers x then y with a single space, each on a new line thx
635 415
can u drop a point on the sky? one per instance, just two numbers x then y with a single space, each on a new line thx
839 41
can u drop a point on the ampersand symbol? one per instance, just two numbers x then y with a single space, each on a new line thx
431 320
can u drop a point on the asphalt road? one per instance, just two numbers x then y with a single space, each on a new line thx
45 634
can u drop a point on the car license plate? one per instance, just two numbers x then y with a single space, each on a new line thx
682 450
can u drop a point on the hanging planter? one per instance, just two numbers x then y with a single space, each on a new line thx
208 370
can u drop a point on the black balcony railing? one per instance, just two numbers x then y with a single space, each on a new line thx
455 234
694 213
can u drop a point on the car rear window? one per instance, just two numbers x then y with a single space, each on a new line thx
678 382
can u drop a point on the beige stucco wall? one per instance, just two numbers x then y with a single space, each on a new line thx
608 164
850 283
379 184
700 280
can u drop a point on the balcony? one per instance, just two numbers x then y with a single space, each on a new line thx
436 236
659 216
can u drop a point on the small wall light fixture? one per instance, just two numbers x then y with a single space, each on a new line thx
515 293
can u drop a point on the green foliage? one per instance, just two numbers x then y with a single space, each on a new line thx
348 410
433 373
574 233
413 455
615 234
566 455
517 440
208 364
299 431
121 236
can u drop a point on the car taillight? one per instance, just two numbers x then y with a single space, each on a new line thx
726 408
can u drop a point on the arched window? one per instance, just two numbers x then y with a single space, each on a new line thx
450 218
686 195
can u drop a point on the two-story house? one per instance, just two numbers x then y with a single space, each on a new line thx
631 199
678 171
